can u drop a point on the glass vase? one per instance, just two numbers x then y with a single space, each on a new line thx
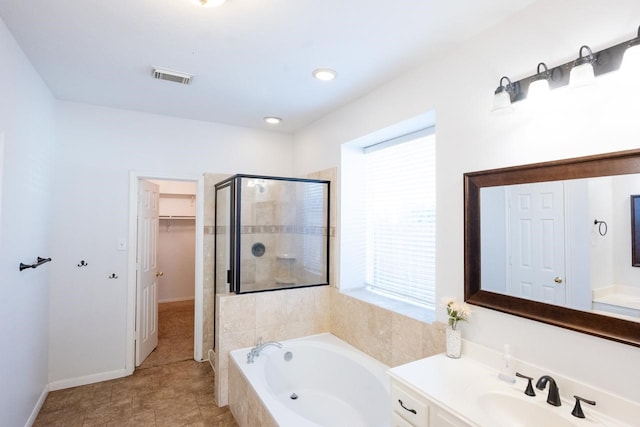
454 342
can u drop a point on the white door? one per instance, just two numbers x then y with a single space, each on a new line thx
536 214
147 281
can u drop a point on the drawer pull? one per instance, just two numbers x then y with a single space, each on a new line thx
413 411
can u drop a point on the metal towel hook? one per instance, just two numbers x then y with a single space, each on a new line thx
602 227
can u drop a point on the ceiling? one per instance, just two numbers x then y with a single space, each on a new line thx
249 58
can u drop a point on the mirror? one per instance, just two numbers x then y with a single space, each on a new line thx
563 269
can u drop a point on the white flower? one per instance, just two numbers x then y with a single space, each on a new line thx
456 311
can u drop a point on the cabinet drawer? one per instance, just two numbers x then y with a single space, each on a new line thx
398 421
409 406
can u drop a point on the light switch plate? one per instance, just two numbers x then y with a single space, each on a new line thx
122 244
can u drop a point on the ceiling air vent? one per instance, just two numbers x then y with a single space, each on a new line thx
171 75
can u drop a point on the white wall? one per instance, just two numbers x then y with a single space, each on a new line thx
459 87
26 118
97 147
176 259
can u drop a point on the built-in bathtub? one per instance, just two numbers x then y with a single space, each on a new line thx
314 381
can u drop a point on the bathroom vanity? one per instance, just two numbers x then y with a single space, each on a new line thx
443 392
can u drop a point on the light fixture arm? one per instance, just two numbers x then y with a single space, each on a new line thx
509 87
635 41
543 74
584 59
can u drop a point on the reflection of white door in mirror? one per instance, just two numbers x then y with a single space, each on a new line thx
537 246
1 173
523 238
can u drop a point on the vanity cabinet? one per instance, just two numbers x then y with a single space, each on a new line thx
412 409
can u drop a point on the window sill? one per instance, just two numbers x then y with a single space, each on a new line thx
401 307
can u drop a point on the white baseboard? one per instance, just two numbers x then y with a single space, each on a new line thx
176 299
36 409
88 379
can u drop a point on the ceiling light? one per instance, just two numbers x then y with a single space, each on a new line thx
273 120
324 74
502 97
208 3
582 72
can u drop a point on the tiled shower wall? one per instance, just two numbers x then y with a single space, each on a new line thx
390 337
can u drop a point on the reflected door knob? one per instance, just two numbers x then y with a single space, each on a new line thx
558 280
159 274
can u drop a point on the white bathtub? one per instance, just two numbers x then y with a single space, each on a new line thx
336 385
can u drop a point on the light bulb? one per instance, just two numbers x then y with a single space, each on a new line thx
208 3
502 102
538 90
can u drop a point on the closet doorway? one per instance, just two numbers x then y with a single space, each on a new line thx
171 307
175 274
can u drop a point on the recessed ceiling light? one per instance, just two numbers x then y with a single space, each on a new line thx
324 74
273 120
208 3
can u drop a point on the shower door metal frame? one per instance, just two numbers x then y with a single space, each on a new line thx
236 215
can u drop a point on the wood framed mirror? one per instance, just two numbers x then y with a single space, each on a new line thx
491 262
635 230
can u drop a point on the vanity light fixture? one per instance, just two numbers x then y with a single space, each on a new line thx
539 86
208 3
273 120
582 73
502 96
577 73
324 74
631 59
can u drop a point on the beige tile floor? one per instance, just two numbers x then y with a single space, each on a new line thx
169 389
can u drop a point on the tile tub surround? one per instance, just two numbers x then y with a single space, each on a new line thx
244 403
387 336
274 316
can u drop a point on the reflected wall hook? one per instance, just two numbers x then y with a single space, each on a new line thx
113 276
36 264
602 227
83 263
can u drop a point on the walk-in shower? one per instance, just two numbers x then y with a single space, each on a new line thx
271 233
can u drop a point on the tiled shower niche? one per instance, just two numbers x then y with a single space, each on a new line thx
271 233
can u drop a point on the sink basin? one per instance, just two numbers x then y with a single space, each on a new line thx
511 411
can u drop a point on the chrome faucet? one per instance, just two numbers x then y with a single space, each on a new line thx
553 398
255 351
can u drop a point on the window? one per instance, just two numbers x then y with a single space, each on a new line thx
401 217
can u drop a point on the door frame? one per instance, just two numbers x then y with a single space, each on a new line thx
134 178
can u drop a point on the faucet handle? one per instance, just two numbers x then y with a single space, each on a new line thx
577 409
529 391
259 342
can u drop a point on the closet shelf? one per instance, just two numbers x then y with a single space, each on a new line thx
177 217
179 195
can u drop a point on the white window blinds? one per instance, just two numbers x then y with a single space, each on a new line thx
401 217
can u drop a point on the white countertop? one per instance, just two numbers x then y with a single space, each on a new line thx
456 385
621 296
